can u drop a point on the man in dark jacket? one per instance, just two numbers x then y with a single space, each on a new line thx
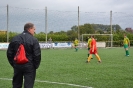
33 53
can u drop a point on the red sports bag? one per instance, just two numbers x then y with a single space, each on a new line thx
20 57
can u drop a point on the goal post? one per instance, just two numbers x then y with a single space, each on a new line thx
105 41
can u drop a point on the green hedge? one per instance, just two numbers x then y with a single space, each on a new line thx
3 37
117 38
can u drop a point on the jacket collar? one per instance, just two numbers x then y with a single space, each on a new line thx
25 31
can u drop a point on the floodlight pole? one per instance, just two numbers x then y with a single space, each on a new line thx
78 25
111 28
7 33
46 24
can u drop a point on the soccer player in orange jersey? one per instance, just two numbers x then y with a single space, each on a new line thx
93 50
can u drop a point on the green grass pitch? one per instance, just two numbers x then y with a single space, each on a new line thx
65 68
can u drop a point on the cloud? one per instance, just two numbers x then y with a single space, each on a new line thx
62 14
72 5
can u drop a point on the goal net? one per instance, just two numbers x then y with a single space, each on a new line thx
103 40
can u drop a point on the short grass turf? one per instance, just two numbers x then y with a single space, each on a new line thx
65 68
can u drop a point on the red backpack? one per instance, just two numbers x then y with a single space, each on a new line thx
20 57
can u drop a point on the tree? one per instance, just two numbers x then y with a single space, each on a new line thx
72 35
51 32
86 29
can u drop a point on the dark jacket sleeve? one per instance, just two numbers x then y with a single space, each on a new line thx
12 49
10 54
36 54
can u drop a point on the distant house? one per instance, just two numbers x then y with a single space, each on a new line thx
2 32
104 31
129 30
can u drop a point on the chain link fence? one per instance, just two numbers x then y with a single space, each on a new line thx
14 18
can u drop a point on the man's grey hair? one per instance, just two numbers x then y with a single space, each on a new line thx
27 26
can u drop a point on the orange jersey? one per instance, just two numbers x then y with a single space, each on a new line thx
93 49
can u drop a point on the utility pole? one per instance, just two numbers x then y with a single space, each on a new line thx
111 28
46 23
7 33
78 25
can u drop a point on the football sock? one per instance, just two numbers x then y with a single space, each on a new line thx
89 58
76 49
98 57
88 55
127 52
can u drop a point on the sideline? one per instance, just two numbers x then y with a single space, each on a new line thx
54 83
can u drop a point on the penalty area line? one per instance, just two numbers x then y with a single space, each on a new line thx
54 83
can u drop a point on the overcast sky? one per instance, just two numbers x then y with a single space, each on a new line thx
71 5
17 16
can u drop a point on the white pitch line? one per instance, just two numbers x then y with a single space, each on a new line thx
5 79
54 83
64 84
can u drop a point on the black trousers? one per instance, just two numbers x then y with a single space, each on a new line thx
27 73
